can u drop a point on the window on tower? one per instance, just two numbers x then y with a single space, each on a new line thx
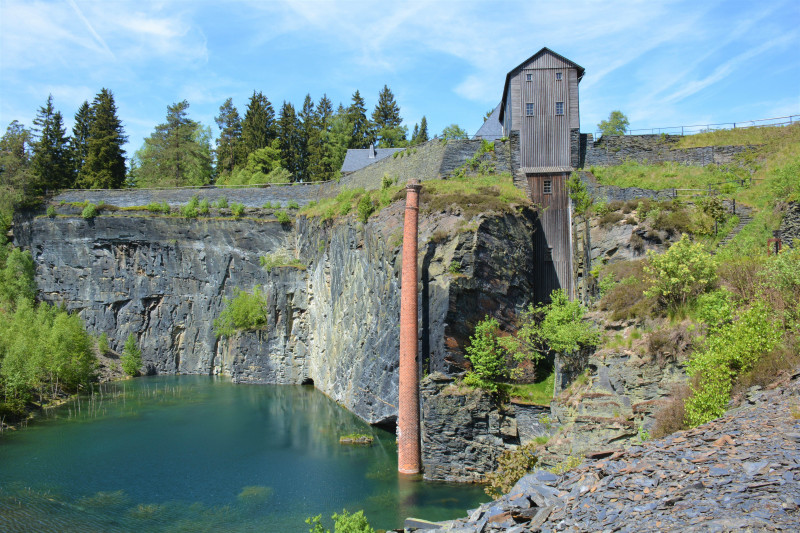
529 109
559 108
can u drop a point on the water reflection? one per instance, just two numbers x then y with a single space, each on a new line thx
191 452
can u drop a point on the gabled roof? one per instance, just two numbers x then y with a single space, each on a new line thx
492 129
579 68
358 158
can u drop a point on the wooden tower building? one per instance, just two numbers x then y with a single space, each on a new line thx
540 102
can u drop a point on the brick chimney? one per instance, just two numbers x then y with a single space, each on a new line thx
408 449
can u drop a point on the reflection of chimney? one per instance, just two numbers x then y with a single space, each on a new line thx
371 151
408 449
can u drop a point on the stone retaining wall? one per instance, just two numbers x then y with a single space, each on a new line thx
790 225
613 150
302 193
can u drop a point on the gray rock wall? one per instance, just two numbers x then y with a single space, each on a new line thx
302 193
790 225
613 150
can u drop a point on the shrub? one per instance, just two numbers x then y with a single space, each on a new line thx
131 359
579 195
89 212
282 259
189 211
681 273
487 356
17 279
512 465
365 208
245 311
203 207
237 209
670 417
386 181
283 217
637 243
222 203
102 343
292 205
51 211
455 267
610 218
715 309
342 523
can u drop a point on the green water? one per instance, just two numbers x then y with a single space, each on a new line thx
194 453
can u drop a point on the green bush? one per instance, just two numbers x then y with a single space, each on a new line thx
280 259
365 208
102 343
131 359
283 217
237 209
455 267
222 203
245 311
189 211
292 205
579 195
683 272
155 207
203 207
343 523
487 356
90 211
51 211
16 279
728 351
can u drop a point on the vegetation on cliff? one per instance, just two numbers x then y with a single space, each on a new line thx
245 311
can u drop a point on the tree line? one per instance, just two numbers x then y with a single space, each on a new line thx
259 146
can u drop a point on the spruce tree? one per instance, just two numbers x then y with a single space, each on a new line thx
319 154
176 154
289 139
258 126
422 136
387 120
104 167
362 134
50 164
79 142
229 144
308 127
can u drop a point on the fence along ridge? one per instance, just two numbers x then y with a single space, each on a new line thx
686 130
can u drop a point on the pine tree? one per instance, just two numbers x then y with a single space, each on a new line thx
176 154
362 134
104 167
50 163
308 127
289 138
422 136
319 153
79 142
258 126
387 120
229 143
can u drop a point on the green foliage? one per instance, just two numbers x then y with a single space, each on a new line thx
102 343
616 124
237 209
104 167
454 131
90 211
538 393
557 326
203 207
784 181
365 208
292 204
16 278
51 211
487 356
222 203
245 311
579 195
566 465
512 465
131 359
728 351
455 267
683 272
715 309
283 217
280 259
343 523
155 207
190 209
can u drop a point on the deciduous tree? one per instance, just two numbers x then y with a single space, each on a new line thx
617 124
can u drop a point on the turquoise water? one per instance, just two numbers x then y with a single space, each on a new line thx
194 453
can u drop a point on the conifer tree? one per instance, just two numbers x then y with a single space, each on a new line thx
308 127
320 162
289 139
422 135
178 153
50 163
362 134
229 144
387 120
104 167
79 142
258 126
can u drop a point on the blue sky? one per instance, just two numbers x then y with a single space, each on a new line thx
661 63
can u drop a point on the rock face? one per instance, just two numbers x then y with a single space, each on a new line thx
736 473
333 321
790 225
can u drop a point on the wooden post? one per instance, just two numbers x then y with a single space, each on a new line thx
408 434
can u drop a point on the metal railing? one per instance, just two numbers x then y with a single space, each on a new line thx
701 128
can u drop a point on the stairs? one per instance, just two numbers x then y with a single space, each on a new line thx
744 219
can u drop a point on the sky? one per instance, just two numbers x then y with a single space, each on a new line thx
662 63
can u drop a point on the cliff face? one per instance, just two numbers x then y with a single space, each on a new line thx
334 322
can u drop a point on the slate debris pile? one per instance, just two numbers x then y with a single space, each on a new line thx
739 472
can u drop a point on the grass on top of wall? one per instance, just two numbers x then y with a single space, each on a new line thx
473 194
740 136
666 175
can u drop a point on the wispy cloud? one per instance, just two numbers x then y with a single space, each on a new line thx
91 28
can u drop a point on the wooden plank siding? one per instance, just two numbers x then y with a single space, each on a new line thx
553 238
544 137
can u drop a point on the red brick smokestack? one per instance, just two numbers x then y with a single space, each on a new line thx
408 453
